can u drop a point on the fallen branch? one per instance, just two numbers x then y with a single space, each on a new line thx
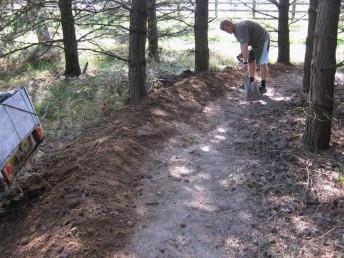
328 232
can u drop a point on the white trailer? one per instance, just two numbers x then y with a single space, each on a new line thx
20 133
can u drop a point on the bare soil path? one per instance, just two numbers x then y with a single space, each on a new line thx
195 172
210 191
193 205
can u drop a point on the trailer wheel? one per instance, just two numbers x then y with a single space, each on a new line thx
38 134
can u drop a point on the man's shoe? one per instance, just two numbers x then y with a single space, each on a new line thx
262 90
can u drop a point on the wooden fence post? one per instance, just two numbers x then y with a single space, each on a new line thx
293 11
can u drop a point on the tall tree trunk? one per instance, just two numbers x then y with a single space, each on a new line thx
72 67
37 17
283 32
178 8
254 9
153 44
43 34
216 8
201 36
45 47
293 12
312 18
318 124
137 42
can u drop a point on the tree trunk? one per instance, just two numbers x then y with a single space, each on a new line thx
254 9
43 34
37 17
283 32
69 39
178 8
216 8
312 14
37 14
137 42
153 44
318 124
201 36
45 48
293 12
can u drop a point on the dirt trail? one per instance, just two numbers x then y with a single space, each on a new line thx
194 172
208 196
192 205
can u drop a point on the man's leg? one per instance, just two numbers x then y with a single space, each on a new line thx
262 60
263 74
252 65
264 71
252 70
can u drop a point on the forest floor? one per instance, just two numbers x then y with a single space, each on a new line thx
194 172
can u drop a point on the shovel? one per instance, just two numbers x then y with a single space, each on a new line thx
251 89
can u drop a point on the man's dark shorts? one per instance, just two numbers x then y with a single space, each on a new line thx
260 54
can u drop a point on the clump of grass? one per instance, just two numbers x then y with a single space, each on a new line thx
339 168
71 103
23 74
341 180
217 60
173 61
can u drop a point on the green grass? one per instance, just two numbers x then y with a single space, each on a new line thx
70 103
339 168
341 180
21 73
217 60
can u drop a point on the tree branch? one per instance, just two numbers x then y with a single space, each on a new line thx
297 20
107 53
265 14
340 64
275 3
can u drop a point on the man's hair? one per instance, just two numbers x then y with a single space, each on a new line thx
225 23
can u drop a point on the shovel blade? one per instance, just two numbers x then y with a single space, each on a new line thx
251 91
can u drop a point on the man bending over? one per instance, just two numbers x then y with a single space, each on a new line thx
250 33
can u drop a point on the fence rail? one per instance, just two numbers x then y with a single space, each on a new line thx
297 9
249 8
